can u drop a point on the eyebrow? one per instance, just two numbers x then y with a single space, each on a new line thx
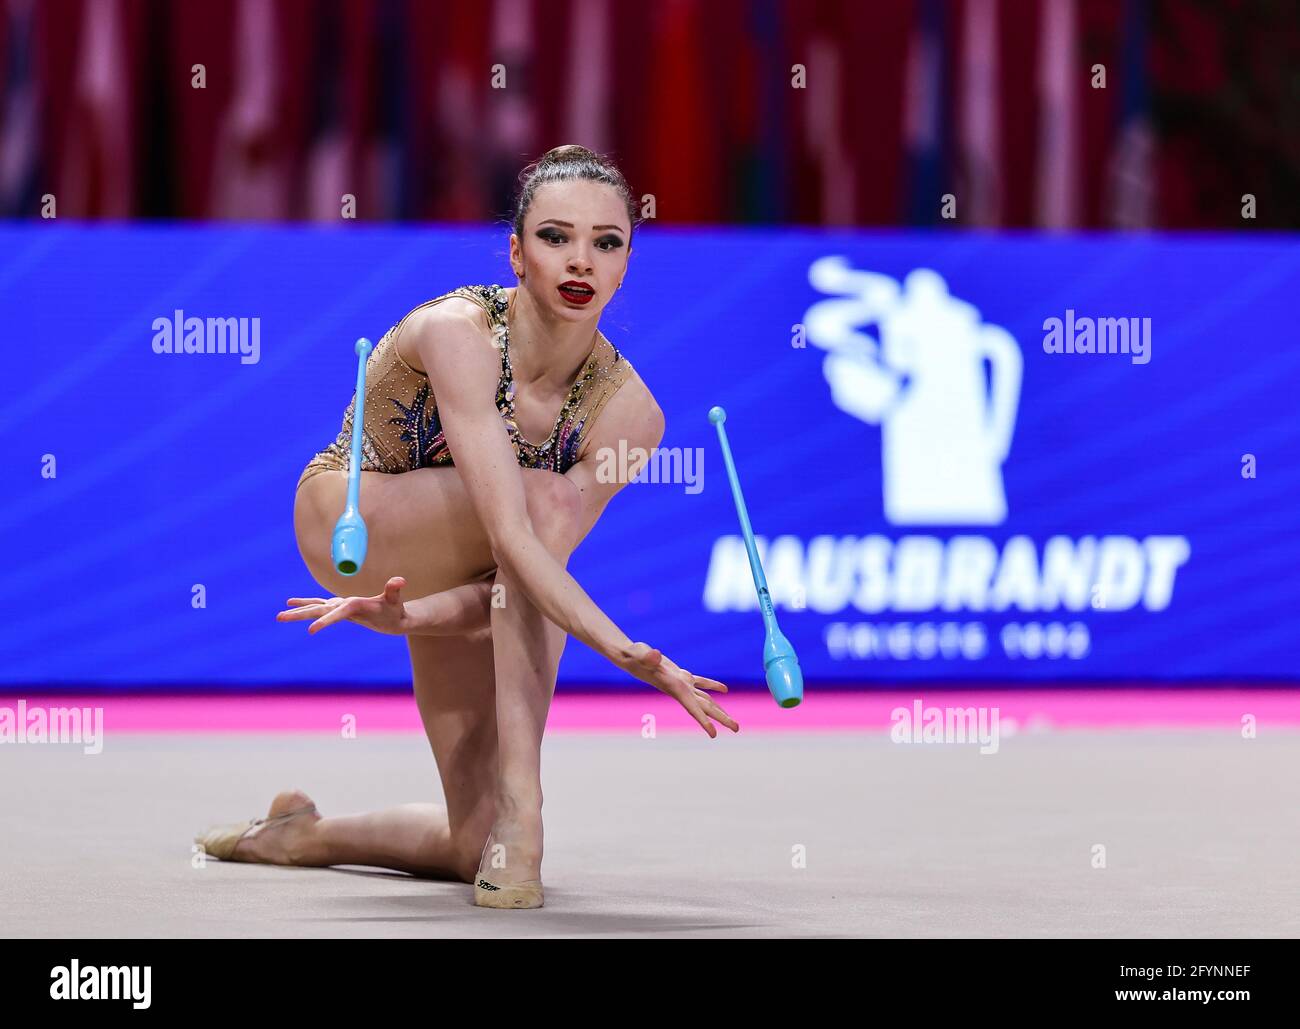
569 225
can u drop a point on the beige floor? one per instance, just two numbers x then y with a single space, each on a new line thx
683 836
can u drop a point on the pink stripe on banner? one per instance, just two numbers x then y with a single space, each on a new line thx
837 711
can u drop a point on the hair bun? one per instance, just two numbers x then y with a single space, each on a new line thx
571 162
567 152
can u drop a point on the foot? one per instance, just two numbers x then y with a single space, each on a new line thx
512 857
284 842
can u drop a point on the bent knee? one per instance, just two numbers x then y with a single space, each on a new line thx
554 508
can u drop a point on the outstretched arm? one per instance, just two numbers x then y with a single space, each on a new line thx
456 348
463 366
631 415
632 424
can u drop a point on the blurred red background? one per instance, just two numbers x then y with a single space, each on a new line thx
393 101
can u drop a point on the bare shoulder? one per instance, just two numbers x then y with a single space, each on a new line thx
452 316
632 414
454 307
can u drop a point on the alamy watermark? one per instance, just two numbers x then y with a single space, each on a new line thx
74 981
182 335
1085 335
662 464
84 725
920 724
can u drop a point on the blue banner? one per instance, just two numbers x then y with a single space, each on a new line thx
966 456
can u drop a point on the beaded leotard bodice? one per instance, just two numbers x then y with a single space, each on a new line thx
402 430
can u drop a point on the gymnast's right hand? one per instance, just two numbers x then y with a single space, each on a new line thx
384 613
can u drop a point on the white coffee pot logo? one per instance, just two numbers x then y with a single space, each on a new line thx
946 422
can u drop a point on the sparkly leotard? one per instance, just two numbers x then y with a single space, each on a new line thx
402 430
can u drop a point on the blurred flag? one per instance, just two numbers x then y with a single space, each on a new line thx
20 141
1060 73
923 113
980 200
1130 185
463 75
251 178
684 159
760 100
824 127
385 157
586 112
157 111
512 127
98 167
327 154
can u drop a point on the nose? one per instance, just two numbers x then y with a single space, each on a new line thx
580 259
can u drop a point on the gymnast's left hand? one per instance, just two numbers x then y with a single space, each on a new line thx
383 613
653 666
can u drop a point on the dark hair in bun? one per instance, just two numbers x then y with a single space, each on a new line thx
570 163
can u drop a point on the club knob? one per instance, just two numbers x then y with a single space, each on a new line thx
348 547
785 681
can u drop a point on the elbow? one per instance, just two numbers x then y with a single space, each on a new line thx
501 554
504 541
553 522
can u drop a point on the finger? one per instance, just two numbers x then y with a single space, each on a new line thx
704 683
298 614
338 614
696 710
719 715
297 601
393 588
698 714
710 707
309 610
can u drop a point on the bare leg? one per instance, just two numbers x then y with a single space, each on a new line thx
481 725
527 647
454 680
408 838
454 690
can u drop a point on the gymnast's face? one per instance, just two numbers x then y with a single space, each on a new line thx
573 232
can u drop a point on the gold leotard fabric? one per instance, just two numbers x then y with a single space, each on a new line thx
402 430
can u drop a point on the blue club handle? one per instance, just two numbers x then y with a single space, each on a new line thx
348 545
780 663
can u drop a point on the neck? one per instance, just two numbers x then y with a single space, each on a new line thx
546 351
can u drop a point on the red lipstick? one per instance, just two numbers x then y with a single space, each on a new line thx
576 292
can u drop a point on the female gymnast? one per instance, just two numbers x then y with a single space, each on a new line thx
484 542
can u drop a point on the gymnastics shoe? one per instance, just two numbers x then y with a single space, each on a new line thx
220 841
515 896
